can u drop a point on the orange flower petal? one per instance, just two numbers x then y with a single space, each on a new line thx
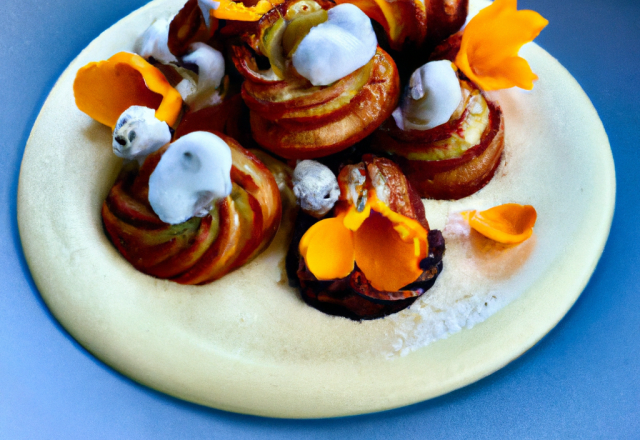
407 228
383 12
509 223
388 262
105 89
387 246
490 43
354 219
327 249
230 10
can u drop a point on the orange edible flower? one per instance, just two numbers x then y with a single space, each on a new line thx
105 89
509 223
230 10
386 246
490 43
322 237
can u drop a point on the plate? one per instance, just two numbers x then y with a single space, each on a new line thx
247 343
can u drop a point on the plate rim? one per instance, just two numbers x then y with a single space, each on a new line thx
579 283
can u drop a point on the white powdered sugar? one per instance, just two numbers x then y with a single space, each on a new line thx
473 286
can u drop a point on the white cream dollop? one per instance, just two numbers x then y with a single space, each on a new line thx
337 47
315 187
433 95
191 175
139 133
206 6
154 42
210 64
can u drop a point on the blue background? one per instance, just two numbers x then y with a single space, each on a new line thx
581 381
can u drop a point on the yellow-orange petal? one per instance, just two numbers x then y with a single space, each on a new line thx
354 219
509 223
490 44
388 262
105 89
230 10
407 228
387 246
327 249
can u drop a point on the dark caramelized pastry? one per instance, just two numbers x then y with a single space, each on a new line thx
394 236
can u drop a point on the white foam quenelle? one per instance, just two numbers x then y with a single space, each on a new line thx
433 95
210 64
337 47
191 176
315 187
139 133
206 6
155 42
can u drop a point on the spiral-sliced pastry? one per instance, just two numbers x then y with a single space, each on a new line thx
201 249
454 159
291 116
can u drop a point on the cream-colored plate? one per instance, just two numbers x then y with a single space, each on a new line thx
247 343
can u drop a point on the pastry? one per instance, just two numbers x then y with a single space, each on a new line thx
383 276
454 159
247 342
300 110
200 249
447 134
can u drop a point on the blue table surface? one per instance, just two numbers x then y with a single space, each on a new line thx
581 381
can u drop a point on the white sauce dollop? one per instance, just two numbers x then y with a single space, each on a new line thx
210 64
154 42
433 96
139 133
192 174
337 47
206 6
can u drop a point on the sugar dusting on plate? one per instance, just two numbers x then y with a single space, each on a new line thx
463 297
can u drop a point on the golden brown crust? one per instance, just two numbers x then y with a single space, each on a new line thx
341 128
448 179
187 27
464 180
465 175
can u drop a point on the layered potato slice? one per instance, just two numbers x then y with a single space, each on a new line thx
444 18
199 250
323 128
414 24
289 115
455 159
